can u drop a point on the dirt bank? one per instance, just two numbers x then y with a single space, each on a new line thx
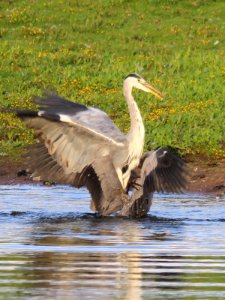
206 175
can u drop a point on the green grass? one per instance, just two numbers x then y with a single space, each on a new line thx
84 49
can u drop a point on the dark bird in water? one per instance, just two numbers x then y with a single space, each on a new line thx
81 146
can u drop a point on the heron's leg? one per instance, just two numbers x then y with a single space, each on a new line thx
140 201
133 184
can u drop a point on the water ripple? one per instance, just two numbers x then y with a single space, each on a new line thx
52 246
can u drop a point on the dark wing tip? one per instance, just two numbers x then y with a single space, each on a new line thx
51 103
169 175
26 114
21 113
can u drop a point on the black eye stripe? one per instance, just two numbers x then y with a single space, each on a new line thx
134 75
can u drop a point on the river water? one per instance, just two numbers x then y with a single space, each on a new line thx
53 247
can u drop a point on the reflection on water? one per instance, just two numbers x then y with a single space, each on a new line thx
52 246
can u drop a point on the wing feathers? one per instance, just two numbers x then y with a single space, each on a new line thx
56 108
160 171
100 178
163 171
72 148
54 105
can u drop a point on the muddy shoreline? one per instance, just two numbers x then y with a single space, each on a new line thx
206 175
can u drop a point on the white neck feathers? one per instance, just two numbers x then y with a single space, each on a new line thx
137 130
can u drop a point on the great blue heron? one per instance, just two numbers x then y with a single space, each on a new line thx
76 141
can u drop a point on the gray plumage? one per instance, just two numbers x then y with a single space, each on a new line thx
159 170
76 137
81 146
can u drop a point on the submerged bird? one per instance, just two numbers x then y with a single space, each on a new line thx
78 145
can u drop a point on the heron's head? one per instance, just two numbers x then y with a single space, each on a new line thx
135 80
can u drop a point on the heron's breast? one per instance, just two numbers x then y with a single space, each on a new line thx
135 151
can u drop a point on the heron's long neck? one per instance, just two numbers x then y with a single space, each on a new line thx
136 133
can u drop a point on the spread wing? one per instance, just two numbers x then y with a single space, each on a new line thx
76 146
74 135
163 171
100 178
159 170
90 118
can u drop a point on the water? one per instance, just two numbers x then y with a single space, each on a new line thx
53 247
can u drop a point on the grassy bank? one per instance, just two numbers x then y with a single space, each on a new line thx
84 49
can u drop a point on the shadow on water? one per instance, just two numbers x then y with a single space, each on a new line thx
52 246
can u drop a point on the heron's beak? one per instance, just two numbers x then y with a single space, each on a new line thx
152 90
